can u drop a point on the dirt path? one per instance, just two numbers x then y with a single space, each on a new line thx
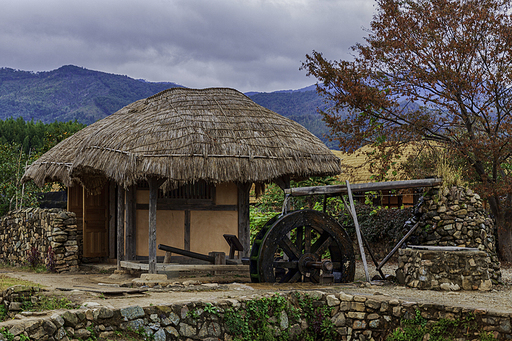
194 287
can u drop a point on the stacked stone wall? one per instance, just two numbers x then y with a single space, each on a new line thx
456 217
444 270
23 229
353 317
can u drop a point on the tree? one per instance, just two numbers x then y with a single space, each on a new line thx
431 69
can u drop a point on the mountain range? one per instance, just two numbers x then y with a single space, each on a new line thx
75 93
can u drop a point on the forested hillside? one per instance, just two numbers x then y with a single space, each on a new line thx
300 106
69 93
72 93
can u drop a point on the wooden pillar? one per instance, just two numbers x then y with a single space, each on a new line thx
120 226
112 220
130 222
244 232
153 195
186 242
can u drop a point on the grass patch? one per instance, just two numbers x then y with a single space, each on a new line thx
6 282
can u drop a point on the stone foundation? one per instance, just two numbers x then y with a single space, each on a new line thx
456 217
444 269
353 318
40 228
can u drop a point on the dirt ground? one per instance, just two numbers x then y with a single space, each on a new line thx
98 285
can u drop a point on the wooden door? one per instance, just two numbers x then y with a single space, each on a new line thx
96 224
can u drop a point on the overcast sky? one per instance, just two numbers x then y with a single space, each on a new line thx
249 45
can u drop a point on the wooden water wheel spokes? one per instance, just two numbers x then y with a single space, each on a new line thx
300 247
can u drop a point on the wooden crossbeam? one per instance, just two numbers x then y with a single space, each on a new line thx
363 187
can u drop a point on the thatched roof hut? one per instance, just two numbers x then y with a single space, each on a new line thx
187 138
184 135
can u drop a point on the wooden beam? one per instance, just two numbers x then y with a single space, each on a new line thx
364 187
184 267
130 222
244 232
120 226
153 195
163 206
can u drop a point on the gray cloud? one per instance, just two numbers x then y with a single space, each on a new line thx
244 44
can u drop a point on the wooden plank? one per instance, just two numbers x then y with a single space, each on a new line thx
120 226
163 206
184 267
130 223
443 248
191 254
364 187
244 233
112 220
186 242
153 195
358 231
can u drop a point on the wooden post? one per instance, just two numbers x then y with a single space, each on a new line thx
244 232
111 220
186 241
153 195
120 226
220 259
130 222
284 183
358 232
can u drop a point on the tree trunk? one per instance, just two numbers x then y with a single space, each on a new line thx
504 235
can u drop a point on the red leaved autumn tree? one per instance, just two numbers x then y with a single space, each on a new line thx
432 69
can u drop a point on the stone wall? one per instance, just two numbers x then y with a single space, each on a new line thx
353 317
22 229
456 217
444 270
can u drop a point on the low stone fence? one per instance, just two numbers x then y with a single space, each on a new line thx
23 229
444 268
292 315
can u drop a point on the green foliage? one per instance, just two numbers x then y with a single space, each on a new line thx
7 335
14 194
253 324
21 143
35 136
48 303
320 326
443 330
210 309
141 332
377 224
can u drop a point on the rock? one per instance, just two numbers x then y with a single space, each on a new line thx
131 313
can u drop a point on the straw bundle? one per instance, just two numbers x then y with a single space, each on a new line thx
186 135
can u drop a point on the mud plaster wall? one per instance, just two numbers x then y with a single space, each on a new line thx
206 227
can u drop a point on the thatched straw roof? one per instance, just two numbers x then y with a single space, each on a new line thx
186 135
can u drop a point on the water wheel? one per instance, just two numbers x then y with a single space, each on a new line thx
302 246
